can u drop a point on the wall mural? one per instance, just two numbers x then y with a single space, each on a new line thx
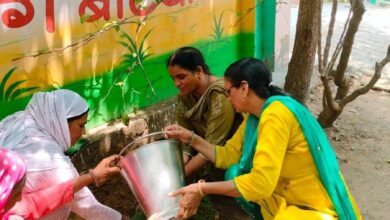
113 52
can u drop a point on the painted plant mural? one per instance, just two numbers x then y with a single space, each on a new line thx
113 53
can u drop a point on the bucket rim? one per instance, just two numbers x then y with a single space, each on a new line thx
147 145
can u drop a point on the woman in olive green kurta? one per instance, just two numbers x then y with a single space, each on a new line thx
203 106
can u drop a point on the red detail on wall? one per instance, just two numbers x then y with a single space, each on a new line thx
13 18
137 10
104 11
175 2
119 8
50 20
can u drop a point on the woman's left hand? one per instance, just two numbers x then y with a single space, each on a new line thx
189 201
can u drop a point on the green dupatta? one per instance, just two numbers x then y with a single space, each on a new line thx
320 148
245 165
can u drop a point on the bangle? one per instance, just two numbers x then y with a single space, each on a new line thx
94 178
187 153
200 183
201 155
192 138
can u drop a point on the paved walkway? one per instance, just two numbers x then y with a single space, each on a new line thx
370 44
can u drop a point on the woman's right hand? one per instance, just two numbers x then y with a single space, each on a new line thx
189 201
177 132
104 169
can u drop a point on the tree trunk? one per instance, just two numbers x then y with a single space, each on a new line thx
329 113
341 80
300 68
328 41
328 116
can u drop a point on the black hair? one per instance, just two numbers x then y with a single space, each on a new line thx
188 58
77 116
256 73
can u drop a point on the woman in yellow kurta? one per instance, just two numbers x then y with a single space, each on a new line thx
280 174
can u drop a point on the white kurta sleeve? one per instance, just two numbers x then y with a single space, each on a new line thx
86 206
84 203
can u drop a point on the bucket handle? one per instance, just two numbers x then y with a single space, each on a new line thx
116 162
140 138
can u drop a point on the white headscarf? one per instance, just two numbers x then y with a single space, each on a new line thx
40 134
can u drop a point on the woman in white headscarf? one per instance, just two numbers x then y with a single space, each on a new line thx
50 124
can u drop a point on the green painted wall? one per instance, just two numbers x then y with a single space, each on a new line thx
265 31
112 93
109 99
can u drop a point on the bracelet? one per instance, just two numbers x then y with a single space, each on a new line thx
187 153
94 178
200 183
201 155
192 138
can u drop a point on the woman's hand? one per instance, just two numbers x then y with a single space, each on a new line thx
186 158
179 133
124 217
104 169
189 201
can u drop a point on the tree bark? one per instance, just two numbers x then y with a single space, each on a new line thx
334 106
333 109
330 33
327 117
300 68
341 80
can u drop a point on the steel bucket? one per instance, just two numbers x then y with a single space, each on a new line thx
152 171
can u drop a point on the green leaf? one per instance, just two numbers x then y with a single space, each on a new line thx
126 45
4 81
131 41
84 18
117 28
143 56
128 56
143 41
148 55
10 89
18 92
217 29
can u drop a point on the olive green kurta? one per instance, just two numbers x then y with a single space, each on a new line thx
211 116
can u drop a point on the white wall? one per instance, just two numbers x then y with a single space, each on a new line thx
282 40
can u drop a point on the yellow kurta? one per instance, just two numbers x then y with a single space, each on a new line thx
284 180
